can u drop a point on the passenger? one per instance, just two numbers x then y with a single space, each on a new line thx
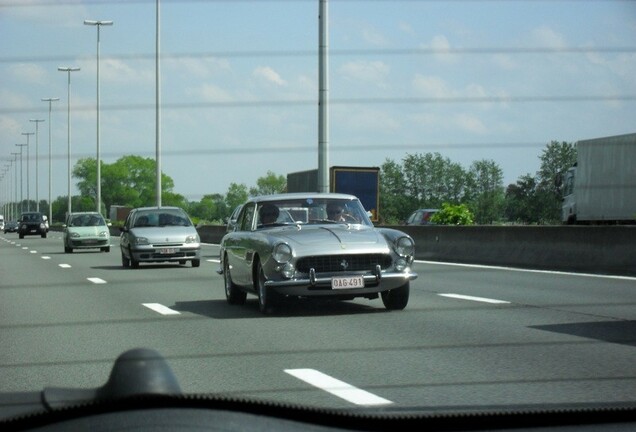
268 214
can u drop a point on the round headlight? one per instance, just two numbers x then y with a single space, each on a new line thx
282 253
405 246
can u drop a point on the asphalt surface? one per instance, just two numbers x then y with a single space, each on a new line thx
469 335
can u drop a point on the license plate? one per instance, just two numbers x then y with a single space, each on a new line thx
167 251
347 282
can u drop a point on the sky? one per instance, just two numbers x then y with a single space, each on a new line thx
472 80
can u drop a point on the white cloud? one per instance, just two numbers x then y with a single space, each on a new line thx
213 93
368 119
431 86
29 73
406 28
67 14
367 71
269 75
374 37
547 37
118 71
200 68
469 123
441 46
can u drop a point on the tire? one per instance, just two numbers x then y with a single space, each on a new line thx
266 297
133 262
68 249
233 294
44 235
21 236
106 249
196 262
397 298
125 262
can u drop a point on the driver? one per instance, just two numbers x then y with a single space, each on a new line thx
268 214
335 212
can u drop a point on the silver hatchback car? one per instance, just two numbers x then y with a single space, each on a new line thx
159 234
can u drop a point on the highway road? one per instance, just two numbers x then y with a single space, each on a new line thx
470 336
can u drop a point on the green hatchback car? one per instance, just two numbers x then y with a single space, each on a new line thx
86 230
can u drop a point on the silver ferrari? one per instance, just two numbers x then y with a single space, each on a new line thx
314 245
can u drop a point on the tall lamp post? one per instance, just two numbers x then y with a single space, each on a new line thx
50 101
37 179
28 134
21 177
15 186
68 70
98 24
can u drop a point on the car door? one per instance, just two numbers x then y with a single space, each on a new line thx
124 238
236 244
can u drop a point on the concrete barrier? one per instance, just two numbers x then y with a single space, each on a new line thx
594 249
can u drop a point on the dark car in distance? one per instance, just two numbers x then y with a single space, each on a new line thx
32 223
11 226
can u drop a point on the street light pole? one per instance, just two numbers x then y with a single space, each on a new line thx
98 24
15 186
37 157
28 134
50 101
21 176
68 70
158 102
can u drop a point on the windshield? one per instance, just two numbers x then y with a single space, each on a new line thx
85 220
309 210
374 188
160 218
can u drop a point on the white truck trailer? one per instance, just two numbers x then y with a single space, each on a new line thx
601 187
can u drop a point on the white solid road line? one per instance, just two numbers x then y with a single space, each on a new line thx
337 387
523 270
163 310
472 298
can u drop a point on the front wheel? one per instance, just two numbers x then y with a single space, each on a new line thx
233 293
397 298
196 262
125 262
266 297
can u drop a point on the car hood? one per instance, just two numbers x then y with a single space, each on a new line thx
165 234
88 231
321 239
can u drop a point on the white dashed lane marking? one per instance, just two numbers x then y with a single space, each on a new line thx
96 280
338 388
477 299
159 308
65 265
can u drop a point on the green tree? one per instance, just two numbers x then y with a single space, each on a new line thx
432 179
270 184
556 158
236 195
521 203
487 201
210 208
130 181
394 204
